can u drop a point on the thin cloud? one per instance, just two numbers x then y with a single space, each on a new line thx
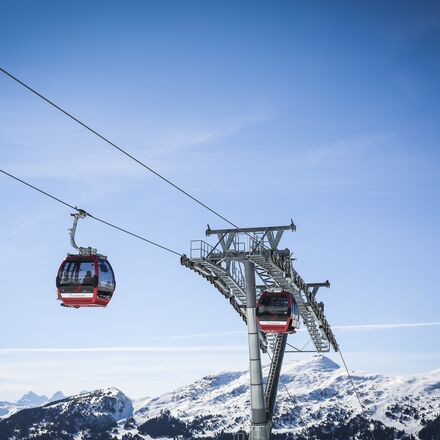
182 137
188 349
91 161
369 327
199 335
195 349
347 328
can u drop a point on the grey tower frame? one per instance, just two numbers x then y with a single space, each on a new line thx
232 266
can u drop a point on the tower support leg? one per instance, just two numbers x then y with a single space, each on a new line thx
260 427
274 373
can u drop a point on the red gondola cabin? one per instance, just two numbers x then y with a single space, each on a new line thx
277 312
85 281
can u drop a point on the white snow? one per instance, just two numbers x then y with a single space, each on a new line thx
309 391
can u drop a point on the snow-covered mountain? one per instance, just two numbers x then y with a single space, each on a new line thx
28 400
31 399
316 400
311 392
89 415
59 395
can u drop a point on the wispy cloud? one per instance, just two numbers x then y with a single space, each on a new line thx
213 131
87 159
210 348
199 335
67 165
145 349
372 327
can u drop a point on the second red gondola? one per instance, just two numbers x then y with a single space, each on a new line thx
277 312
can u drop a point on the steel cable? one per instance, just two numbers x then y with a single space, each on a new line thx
105 222
355 389
117 147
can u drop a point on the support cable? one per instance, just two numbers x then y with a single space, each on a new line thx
363 409
300 350
105 222
39 190
352 384
123 151
306 344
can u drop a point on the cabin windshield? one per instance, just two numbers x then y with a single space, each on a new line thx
77 272
106 278
275 307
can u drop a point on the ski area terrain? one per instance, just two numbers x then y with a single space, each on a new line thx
316 400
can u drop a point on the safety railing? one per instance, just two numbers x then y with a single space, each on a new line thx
257 243
202 249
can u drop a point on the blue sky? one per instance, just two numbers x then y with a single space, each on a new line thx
324 113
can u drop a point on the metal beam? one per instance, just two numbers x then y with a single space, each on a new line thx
259 423
290 227
325 284
274 373
315 287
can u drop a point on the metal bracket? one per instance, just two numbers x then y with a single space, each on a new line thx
82 250
315 287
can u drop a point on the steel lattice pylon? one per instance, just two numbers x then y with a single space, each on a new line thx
232 265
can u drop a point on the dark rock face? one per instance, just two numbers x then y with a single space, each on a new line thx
431 430
46 423
164 426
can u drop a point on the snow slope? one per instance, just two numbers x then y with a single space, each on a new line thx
310 391
314 399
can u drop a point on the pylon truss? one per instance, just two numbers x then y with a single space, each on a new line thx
239 255
221 265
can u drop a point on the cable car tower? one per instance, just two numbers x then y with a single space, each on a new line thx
232 265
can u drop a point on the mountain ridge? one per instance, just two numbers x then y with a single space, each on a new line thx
28 400
315 400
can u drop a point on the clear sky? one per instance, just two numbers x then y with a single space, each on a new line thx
324 112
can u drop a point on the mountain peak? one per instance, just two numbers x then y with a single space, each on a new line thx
31 399
59 395
324 363
112 391
316 363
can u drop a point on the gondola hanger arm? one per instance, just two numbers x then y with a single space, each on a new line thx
72 231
